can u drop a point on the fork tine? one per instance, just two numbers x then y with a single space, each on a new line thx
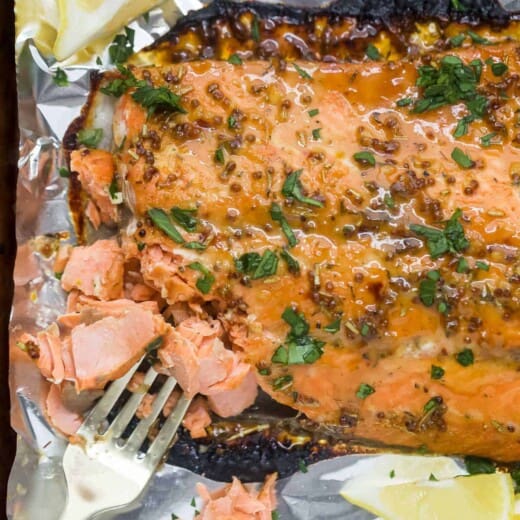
160 444
125 415
141 431
107 402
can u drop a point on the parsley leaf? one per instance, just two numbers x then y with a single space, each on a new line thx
185 218
297 322
365 158
457 40
482 265
428 288
431 404
122 47
205 282
231 122
462 159
281 382
499 68
60 78
476 38
333 327
219 155
372 52
302 466
451 239
487 140
465 357
313 112
478 465
364 390
404 102
158 99
118 86
303 73
235 59
255 29
436 372
278 216
63 172
462 266
247 263
292 264
90 137
316 134
292 187
257 266
162 220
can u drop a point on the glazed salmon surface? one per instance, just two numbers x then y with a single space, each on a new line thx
361 258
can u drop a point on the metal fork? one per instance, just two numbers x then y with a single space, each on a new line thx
105 472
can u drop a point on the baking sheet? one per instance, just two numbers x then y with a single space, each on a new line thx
36 487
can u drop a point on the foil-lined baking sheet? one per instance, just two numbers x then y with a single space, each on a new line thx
37 488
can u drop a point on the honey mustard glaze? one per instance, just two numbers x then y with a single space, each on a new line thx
355 227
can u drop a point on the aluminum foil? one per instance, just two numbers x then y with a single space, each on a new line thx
37 489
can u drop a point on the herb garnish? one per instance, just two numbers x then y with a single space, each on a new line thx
255 29
372 52
499 68
303 73
60 78
476 38
392 473
433 478
433 403
451 239
487 140
282 382
116 197
219 155
154 344
292 264
428 288
364 390
299 347
118 86
482 265
235 59
478 465
462 159
313 112
465 357
333 327
278 216
365 158
122 47
158 99
316 134
457 40
63 172
205 282
292 187
436 372
302 466
404 102
185 218
162 220
231 122
90 137
257 266
462 266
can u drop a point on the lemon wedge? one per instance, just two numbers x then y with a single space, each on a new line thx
82 22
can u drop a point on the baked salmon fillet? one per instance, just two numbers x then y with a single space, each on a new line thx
353 228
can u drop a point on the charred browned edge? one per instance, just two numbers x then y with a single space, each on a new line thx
254 455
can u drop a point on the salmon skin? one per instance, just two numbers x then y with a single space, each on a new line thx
360 256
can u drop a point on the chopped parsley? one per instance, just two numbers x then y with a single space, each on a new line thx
116 197
487 140
457 40
235 59
264 371
404 102
282 382
462 159
154 344
457 5
465 357
219 155
431 405
231 122
140 246
316 134
278 216
255 29
333 327
63 172
365 329
449 240
299 347
372 52
365 158
162 220
389 201
428 288
185 218
60 78
482 265
292 187
303 73
499 68
122 47
313 112
443 307
462 266
476 38
302 466
436 372
156 99
364 390
90 137
258 266
433 478
478 465
292 264
118 86
206 281
392 473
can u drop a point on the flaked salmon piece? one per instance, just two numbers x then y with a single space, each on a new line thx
236 502
63 419
197 418
145 406
95 270
93 214
236 393
50 362
106 349
136 384
96 171
62 257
